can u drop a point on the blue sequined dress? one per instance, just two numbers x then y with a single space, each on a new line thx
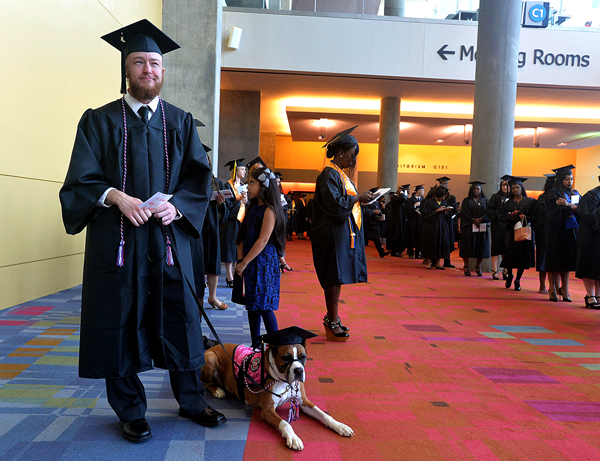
262 277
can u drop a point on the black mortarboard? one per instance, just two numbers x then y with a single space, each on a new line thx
515 179
405 186
563 169
139 36
206 148
551 175
198 123
506 177
254 161
290 335
278 174
373 189
341 137
419 186
476 183
235 163
443 178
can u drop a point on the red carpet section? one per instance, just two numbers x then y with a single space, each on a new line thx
441 366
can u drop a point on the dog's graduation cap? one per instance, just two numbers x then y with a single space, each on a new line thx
289 335
139 36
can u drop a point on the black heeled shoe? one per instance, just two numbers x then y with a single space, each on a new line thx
478 271
495 275
592 305
285 267
509 279
330 326
504 274
467 271
553 297
229 283
517 285
565 298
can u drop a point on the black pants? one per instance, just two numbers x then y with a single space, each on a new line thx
127 396
377 242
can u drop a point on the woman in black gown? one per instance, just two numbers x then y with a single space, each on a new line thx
337 230
588 246
517 255
561 233
436 238
498 225
412 207
540 233
474 241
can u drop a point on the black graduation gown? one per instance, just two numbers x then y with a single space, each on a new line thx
371 221
498 223
454 216
436 236
141 314
561 243
473 244
588 237
413 224
206 253
540 233
300 217
291 223
396 226
518 255
228 229
336 263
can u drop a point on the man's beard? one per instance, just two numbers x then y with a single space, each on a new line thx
144 93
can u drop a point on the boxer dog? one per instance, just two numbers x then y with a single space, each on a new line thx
282 369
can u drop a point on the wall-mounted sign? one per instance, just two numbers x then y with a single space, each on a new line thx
535 14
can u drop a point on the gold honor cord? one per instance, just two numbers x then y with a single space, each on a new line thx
349 189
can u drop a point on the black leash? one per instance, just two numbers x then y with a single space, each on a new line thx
207 319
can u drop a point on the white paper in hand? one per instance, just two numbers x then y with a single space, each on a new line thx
225 193
156 200
378 194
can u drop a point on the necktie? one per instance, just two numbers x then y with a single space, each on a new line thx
143 113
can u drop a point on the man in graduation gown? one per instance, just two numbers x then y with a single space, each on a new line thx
397 222
443 181
137 310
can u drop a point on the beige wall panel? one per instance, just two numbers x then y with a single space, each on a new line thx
587 172
25 282
32 223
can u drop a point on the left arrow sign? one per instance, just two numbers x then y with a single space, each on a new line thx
442 52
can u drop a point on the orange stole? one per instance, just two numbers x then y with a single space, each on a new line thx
242 210
349 189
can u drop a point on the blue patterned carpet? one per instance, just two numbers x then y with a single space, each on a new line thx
48 413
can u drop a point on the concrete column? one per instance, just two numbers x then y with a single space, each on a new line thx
267 147
193 73
495 91
394 8
389 140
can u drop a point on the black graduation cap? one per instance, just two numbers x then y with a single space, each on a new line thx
206 148
419 186
443 178
278 174
515 179
234 163
340 137
564 169
506 177
254 161
373 189
289 335
198 123
139 36
476 183
405 186
551 175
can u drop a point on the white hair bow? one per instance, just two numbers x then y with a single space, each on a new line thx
266 176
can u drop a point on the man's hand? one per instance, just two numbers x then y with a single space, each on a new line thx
166 212
129 206
220 199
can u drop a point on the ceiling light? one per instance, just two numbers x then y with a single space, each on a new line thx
562 144
439 141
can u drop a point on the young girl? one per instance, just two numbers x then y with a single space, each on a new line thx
260 242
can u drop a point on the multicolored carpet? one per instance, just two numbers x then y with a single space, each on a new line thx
439 366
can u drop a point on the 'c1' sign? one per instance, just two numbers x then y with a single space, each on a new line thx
535 14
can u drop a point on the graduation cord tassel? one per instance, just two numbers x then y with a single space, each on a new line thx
121 254
121 251
170 260
294 414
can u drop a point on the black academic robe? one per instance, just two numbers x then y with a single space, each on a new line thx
561 243
454 216
206 253
473 244
396 226
291 223
498 223
518 255
540 233
301 217
413 224
588 237
130 319
371 221
336 262
436 230
228 230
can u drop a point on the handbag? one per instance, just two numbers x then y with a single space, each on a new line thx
237 293
522 230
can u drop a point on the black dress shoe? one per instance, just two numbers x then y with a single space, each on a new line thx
396 255
517 285
449 265
208 418
385 253
136 431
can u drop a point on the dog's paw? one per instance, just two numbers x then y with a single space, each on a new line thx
294 442
342 429
219 393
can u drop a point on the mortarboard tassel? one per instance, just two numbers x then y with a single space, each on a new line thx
121 254
294 414
170 261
